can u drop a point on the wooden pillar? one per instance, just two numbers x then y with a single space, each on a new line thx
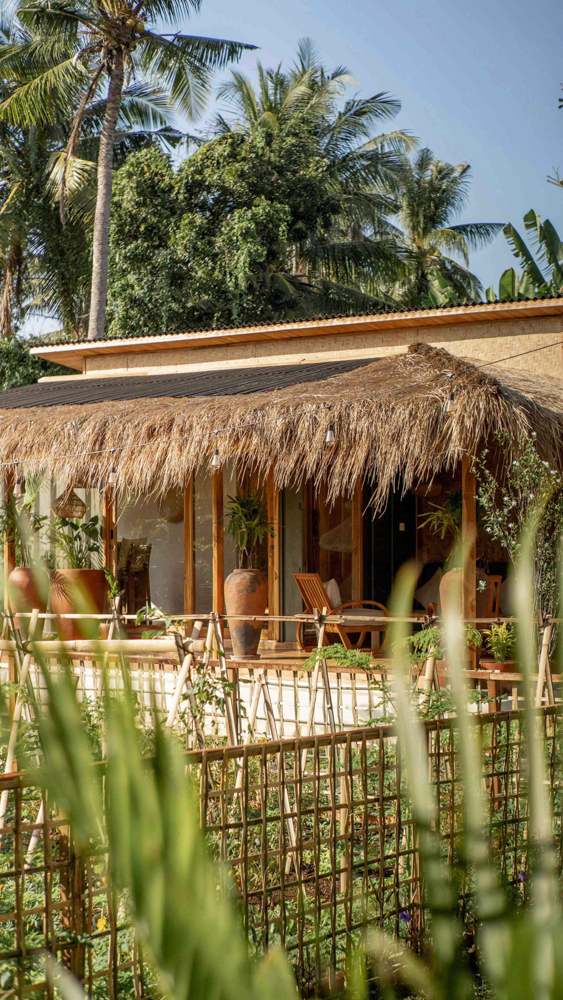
189 550
9 547
357 543
218 541
274 550
324 525
110 529
469 538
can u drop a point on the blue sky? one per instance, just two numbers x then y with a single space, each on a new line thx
478 82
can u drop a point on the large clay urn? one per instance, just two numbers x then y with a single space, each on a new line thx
28 588
78 591
246 593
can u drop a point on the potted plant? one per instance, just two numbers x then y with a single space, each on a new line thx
78 582
501 643
28 582
246 588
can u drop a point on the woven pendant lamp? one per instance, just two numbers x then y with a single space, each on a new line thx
69 505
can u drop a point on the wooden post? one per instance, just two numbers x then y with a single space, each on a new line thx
110 529
189 552
357 543
324 525
9 547
274 550
469 545
218 541
469 538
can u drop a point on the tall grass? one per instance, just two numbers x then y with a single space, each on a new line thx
191 931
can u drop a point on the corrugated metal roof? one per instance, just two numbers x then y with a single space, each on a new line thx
229 382
383 310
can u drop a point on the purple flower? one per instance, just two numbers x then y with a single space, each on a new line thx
522 876
405 917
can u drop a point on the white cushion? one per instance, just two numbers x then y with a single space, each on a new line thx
333 593
429 593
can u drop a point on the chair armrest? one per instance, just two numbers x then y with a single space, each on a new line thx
359 604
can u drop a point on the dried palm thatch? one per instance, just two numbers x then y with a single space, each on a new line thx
389 418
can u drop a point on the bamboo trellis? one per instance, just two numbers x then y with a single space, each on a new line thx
354 855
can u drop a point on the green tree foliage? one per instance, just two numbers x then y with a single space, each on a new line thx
46 254
433 194
19 367
282 212
67 52
542 267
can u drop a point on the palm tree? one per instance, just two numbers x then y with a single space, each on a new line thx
433 194
79 46
350 255
46 264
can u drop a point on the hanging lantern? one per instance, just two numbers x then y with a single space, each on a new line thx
69 505
330 438
450 405
216 460
112 478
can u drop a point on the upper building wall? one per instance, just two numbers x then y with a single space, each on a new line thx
492 332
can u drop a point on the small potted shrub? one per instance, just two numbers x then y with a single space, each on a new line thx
501 642
28 583
246 588
78 582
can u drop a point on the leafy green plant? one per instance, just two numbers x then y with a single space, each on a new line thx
532 485
444 519
20 525
76 542
248 525
501 641
542 274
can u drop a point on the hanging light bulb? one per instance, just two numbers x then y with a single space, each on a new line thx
216 460
19 487
112 478
330 438
450 405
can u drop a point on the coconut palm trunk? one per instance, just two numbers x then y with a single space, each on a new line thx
100 253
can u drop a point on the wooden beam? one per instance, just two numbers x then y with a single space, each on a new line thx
189 550
274 557
357 588
110 529
218 541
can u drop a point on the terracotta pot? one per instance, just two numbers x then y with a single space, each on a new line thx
246 593
78 591
508 667
28 588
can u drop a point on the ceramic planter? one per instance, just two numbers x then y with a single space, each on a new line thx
246 593
78 591
28 588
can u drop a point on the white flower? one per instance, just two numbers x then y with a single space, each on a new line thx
546 464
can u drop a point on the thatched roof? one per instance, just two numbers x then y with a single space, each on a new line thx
389 418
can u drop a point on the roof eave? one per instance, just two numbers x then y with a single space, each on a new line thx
74 354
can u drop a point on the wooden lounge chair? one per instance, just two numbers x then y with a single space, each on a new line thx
315 596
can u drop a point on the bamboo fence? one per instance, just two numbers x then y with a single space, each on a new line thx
315 834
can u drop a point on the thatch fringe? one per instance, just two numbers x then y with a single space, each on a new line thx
389 418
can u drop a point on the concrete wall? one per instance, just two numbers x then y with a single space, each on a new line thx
487 340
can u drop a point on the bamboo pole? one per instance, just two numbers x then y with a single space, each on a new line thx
13 737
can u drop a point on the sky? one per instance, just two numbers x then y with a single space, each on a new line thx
478 82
